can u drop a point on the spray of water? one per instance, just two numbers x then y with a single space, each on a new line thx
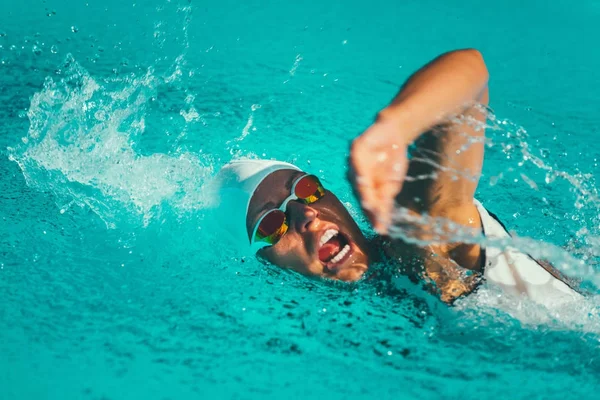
81 146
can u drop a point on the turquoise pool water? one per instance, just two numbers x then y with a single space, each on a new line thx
115 116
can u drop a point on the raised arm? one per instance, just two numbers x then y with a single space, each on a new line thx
437 109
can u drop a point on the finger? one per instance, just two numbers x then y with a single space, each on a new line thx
386 195
382 216
354 172
368 200
361 184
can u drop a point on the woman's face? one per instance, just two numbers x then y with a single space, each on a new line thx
322 239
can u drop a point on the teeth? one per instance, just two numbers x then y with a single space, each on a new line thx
327 235
341 254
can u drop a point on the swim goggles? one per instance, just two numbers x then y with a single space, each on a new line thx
272 225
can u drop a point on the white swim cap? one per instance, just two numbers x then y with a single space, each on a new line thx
235 183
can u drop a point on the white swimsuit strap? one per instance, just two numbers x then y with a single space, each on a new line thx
518 273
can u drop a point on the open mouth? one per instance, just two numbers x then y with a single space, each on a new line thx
334 249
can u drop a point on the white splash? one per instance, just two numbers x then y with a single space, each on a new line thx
81 147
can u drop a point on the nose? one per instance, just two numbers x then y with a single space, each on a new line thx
301 215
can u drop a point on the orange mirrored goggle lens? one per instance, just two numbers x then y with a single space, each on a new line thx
274 223
272 227
309 189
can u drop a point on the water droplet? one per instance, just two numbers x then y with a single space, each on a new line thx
36 50
54 49
100 115
74 29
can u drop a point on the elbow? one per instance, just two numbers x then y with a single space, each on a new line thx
471 62
474 59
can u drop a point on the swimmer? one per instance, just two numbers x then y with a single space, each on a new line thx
287 217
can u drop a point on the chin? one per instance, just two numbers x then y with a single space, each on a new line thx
352 273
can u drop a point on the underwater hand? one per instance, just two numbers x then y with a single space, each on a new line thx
378 165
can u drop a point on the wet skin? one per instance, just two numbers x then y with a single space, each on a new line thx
298 249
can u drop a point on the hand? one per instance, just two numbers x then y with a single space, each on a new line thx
378 165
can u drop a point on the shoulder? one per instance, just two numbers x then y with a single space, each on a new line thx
445 211
462 213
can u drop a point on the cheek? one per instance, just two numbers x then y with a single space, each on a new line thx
284 254
290 254
351 274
